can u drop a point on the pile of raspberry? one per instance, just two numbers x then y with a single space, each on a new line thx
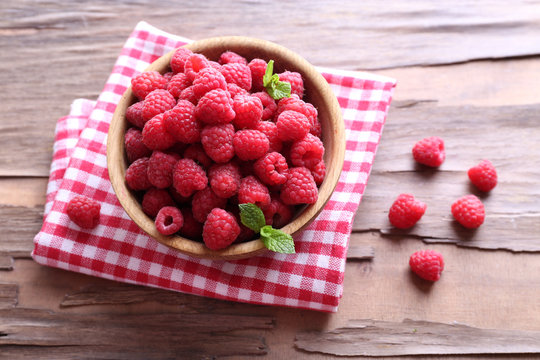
206 136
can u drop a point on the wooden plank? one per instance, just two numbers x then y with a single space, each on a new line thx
19 226
384 338
8 295
360 252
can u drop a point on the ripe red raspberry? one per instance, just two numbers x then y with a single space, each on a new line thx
137 175
146 82
316 129
192 229
189 95
196 153
238 74
215 107
220 229
155 136
157 102
428 264
483 175
406 211
177 84
168 75
203 202
253 191
295 79
84 211
319 172
277 213
217 142
160 169
135 148
134 114
229 57
307 152
248 111
195 63
258 69
188 177
180 122
179 199
169 220
271 169
269 105
208 79
179 59
154 200
292 125
250 144
469 211
225 179
296 104
235 90
429 151
300 187
215 65
269 129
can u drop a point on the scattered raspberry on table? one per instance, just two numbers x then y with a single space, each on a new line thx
428 264
406 211
429 151
469 211
84 211
483 176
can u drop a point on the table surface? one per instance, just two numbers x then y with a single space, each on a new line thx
469 73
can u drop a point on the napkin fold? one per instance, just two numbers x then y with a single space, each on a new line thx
117 249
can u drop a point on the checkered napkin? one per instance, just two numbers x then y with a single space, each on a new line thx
117 249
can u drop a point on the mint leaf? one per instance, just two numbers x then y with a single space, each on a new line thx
275 88
268 74
277 240
252 217
281 90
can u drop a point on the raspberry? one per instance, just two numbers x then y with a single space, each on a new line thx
208 79
146 82
220 229
217 142
406 211
154 200
180 122
316 129
292 125
195 63
157 102
235 90
271 169
168 76
192 229
203 202
229 57
224 179
134 114
250 144
238 74
257 68
483 175
188 177
215 107
135 148
155 136
169 220
269 129
269 105
137 175
295 79
300 187
196 153
428 264
179 199
84 211
248 111
429 151
160 169
177 84
469 211
253 191
296 104
179 58
215 65
277 213
189 95
319 172
307 152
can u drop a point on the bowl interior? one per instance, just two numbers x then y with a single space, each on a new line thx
317 92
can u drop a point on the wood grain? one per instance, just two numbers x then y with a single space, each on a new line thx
383 338
20 225
8 295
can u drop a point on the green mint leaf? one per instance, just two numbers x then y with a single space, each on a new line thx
276 240
252 217
268 74
282 90
275 88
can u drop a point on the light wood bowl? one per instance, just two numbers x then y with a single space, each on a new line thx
317 91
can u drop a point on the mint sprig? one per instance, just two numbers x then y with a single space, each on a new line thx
275 240
274 87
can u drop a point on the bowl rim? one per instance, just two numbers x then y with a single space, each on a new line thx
116 154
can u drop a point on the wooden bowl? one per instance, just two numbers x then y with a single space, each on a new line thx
317 91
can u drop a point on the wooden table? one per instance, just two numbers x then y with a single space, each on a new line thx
469 73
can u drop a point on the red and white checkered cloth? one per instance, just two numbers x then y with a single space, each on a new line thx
117 249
